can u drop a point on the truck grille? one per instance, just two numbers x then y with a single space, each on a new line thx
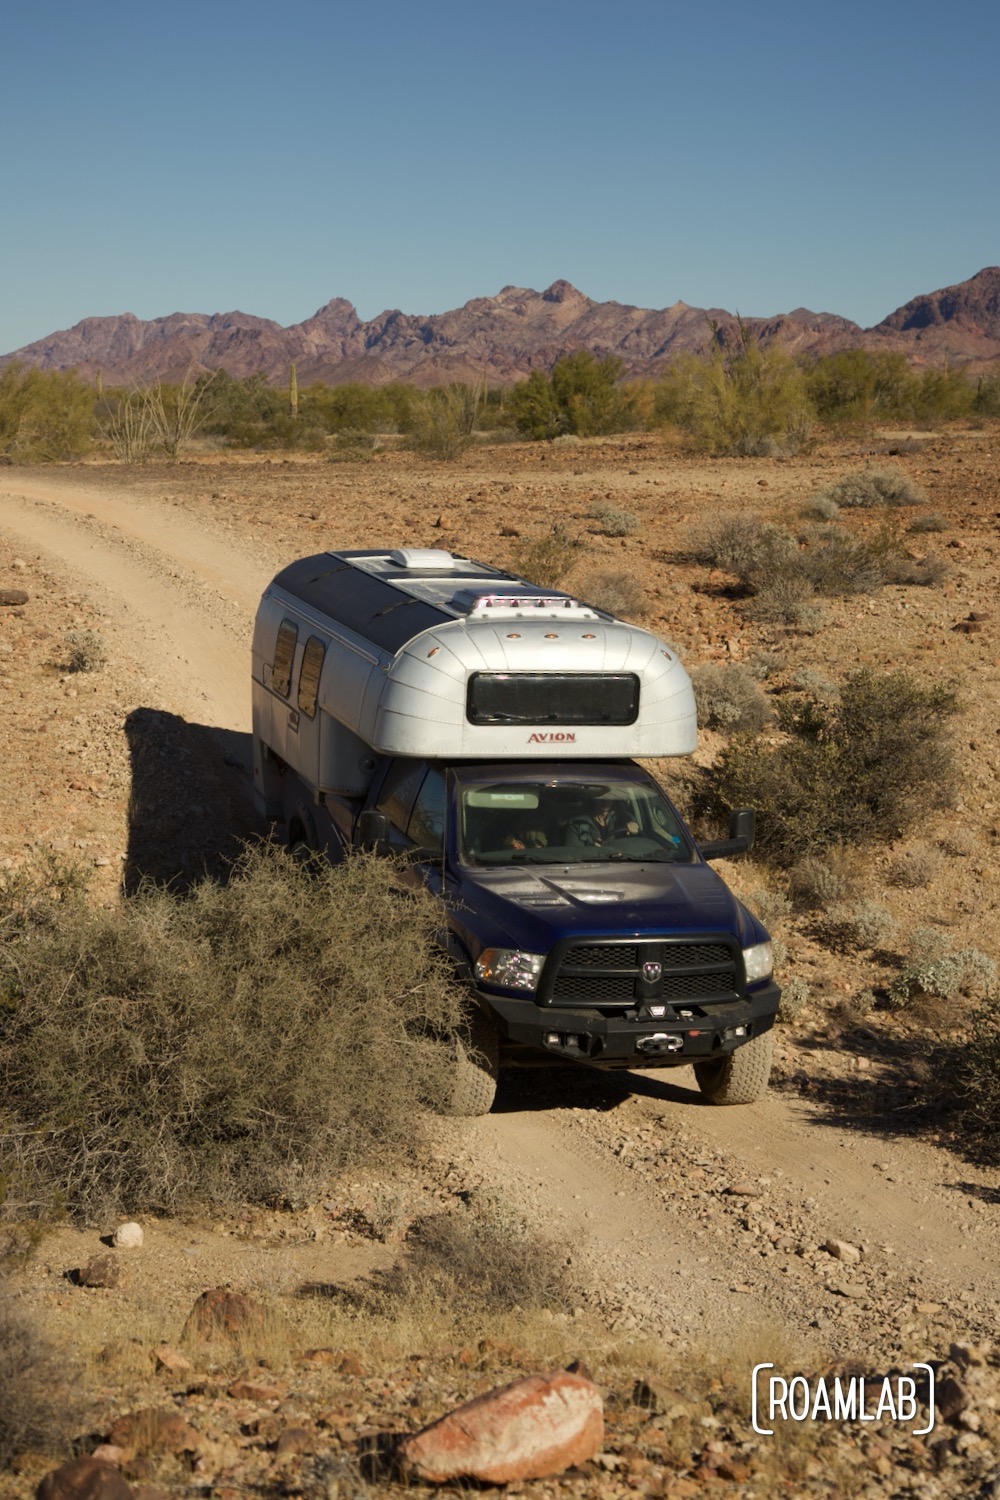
612 973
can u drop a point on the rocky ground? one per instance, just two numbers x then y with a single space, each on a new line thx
836 1225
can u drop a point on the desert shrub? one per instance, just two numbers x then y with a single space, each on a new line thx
927 520
861 386
41 1405
860 1005
915 867
766 663
619 593
920 572
546 559
874 486
743 399
816 684
352 445
223 1047
847 926
742 544
795 995
85 651
785 598
45 416
615 522
728 697
820 508
860 771
824 881
583 397
975 1074
839 565
771 906
932 968
442 421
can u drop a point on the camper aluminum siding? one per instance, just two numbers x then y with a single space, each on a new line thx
406 631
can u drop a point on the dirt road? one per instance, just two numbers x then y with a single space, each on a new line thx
690 1221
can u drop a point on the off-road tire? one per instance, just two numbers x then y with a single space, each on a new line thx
741 1076
475 1067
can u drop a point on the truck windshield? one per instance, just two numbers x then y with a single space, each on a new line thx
568 822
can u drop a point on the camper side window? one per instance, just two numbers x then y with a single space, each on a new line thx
312 665
427 822
284 653
399 789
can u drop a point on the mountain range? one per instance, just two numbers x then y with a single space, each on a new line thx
501 338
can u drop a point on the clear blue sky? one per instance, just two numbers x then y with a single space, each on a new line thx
206 157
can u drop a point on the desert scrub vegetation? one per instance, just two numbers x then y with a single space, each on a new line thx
873 486
619 593
85 651
975 1074
44 417
933 969
548 558
613 521
856 772
822 881
228 1046
41 1405
729 697
583 397
847 926
744 399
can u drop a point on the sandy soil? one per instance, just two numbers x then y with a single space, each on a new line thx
689 1221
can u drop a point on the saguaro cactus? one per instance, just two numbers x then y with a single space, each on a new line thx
293 392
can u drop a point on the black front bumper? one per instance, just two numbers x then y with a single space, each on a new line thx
631 1039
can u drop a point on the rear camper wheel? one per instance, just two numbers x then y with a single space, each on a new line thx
741 1076
475 1067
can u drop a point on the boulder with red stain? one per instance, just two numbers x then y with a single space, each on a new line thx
85 1479
222 1316
534 1427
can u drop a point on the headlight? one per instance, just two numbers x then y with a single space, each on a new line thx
758 961
510 968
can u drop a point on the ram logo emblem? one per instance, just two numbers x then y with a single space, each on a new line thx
651 972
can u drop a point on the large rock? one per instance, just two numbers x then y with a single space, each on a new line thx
532 1428
84 1479
222 1316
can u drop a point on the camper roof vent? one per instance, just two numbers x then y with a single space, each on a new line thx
423 560
476 602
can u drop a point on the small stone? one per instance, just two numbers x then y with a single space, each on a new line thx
126 1236
295 1440
154 1430
255 1390
842 1250
13 597
951 1397
743 1189
102 1271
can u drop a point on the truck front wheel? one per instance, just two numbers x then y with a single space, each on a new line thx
741 1076
475 1066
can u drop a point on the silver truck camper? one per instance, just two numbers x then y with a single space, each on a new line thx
421 653
483 730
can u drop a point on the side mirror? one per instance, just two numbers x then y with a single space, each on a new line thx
373 832
742 830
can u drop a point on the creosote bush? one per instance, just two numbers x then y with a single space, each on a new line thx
846 926
225 1047
860 771
975 1073
817 881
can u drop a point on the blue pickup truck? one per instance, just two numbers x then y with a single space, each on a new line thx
483 729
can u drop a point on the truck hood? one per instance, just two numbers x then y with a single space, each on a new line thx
535 906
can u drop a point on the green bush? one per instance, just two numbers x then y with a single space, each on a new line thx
442 421
583 396
975 1074
860 771
44 417
744 399
223 1047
